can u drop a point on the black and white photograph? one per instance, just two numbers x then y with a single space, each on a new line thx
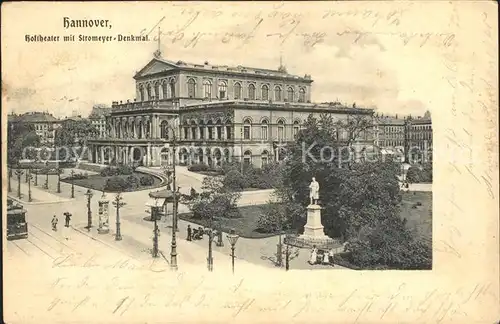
286 147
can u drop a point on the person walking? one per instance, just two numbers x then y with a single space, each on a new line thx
189 233
54 223
67 219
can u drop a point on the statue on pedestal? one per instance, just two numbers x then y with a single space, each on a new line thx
314 193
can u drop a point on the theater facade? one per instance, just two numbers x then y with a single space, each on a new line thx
213 113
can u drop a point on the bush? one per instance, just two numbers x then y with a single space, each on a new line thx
417 175
110 171
198 167
146 180
269 221
234 180
116 184
132 182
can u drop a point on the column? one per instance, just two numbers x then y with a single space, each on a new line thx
148 155
102 155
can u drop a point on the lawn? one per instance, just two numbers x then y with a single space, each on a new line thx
244 226
97 182
419 218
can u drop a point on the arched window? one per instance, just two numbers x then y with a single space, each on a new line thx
290 94
265 92
207 89
281 130
149 92
191 88
210 129
222 90
296 128
157 90
193 130
141 93
164 129
172 88
263 130
237 90
247 158
277 93
218 129
165 88
302 95
251 92
265 157
247 129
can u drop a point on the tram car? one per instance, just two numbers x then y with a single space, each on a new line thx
17 227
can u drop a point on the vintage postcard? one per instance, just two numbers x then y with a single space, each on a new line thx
250 162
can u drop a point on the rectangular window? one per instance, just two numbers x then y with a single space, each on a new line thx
295 131
193 133
264 160
228 132
219 132
281 132
186 133
264 133
202 133
210 133
246 132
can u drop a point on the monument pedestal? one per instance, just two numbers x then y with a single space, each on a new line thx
314 233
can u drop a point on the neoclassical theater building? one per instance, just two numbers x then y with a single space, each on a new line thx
215 113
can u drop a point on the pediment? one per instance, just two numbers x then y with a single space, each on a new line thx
154 66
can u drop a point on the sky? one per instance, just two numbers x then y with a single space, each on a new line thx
378 56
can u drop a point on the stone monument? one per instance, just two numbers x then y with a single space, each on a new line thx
103 214
313 230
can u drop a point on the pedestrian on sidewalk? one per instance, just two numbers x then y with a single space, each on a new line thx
189 233
68 218
54 223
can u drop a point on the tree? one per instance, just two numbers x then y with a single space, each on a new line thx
73 136
21 140
216 200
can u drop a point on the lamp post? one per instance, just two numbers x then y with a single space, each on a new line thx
279 252
173 246
232 237
210 260
10 176
29 184
241 150
118 203
72 183
27 176
89 195
19 173
155 216
36 177
173 252
58 178
46 185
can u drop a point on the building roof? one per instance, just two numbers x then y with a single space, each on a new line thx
243 70
99 111
389 121
421 120
33 117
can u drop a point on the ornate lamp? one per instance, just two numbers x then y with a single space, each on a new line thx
232 237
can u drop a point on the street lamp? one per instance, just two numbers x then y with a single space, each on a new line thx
89 195
241 150
232 237
118 203
19 173
58 178
156 232
173 248
29 184
72 183
10 176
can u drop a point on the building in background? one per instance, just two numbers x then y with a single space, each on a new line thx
219 113
45 125
420 138
389 133
98 118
